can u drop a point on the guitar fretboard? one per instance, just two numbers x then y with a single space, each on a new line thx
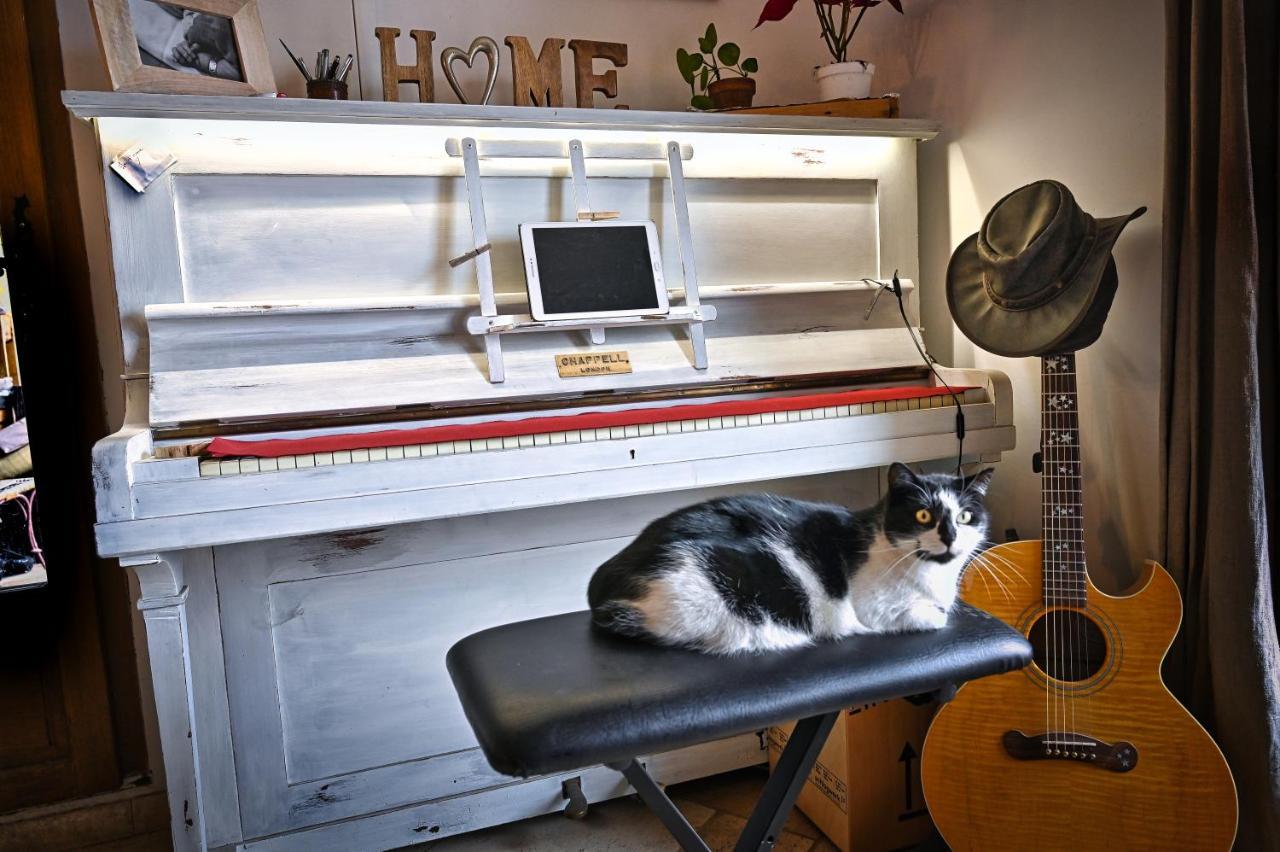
1061 483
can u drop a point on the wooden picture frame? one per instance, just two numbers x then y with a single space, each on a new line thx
129 73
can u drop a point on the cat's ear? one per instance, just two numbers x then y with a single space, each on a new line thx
980 481
899 473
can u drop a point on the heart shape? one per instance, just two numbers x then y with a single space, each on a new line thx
484 45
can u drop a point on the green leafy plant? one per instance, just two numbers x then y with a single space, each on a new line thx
704 66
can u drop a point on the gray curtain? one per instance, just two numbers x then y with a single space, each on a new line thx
1221 383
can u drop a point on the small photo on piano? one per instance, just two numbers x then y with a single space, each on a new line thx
183 39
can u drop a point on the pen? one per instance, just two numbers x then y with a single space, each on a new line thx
296 61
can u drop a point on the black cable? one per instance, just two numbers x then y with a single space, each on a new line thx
896 289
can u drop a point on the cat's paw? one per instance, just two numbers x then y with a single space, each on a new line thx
924 616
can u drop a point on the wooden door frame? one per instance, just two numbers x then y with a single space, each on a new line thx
78 628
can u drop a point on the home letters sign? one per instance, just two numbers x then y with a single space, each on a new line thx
536 79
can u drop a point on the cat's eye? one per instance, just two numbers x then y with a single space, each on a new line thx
924 516
965 517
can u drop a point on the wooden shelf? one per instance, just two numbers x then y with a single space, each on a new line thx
103 104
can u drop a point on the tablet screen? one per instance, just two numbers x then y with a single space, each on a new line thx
586 269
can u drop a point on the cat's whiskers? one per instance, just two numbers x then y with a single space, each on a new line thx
1013 569
996 569
984 570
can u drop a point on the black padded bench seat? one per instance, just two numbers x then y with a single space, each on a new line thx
555 694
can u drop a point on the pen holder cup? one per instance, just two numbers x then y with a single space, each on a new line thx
327 90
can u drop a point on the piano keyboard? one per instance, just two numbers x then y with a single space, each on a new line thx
238 465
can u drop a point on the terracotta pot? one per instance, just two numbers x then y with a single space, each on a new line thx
732 92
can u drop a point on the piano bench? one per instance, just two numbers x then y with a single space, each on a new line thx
557 694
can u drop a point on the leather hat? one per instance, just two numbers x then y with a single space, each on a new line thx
1038 278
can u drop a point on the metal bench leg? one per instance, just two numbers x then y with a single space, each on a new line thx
779 794
660 804
776 800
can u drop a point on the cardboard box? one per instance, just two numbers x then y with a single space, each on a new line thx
864 791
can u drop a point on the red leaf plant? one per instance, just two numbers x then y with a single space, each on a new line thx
836 35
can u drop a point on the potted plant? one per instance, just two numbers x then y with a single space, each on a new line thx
711 89
843 78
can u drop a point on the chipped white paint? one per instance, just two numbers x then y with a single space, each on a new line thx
298 611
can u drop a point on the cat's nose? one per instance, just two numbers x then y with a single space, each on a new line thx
947 534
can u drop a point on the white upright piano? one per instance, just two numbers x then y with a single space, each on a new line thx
289 279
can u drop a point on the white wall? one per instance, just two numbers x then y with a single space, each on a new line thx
1029 89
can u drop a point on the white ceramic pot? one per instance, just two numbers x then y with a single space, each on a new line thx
844 80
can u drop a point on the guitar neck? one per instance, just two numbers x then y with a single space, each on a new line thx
1061 483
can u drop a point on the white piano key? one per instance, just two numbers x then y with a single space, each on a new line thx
524 441
754 420
866 408
660 428
488 444
631 431
617 432
558 437
510 442
378 454
210 467
793 416
646 430
769 417
844 411
688 426
587 436
819 413
412 452
305 459
832 411
429 449
880 407
806 414
342 457
715 422
268 465
602 434
359 456
287 462
229 466
461 447
739 420
248 465
444 448
395 452
573 436
701 425
324 459
542 439
913 404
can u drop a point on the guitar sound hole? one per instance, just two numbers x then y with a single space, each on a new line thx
1068 645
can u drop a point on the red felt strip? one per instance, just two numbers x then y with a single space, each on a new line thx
228 447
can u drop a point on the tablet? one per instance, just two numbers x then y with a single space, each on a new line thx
585 270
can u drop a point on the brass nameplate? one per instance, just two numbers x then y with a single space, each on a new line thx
592 364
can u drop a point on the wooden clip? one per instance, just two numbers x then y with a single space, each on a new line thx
597 216
471 255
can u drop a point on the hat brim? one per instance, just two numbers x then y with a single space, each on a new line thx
1048 327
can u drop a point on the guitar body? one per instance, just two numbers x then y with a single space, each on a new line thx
1171 789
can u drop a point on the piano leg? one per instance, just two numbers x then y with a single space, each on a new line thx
164 609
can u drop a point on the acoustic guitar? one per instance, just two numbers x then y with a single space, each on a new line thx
1085 748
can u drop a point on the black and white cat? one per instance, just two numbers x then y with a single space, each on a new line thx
762 573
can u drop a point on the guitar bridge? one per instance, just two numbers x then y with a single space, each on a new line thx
1061 745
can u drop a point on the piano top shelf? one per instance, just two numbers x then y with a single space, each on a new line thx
90 105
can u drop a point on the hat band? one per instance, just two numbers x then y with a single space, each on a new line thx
1045 294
